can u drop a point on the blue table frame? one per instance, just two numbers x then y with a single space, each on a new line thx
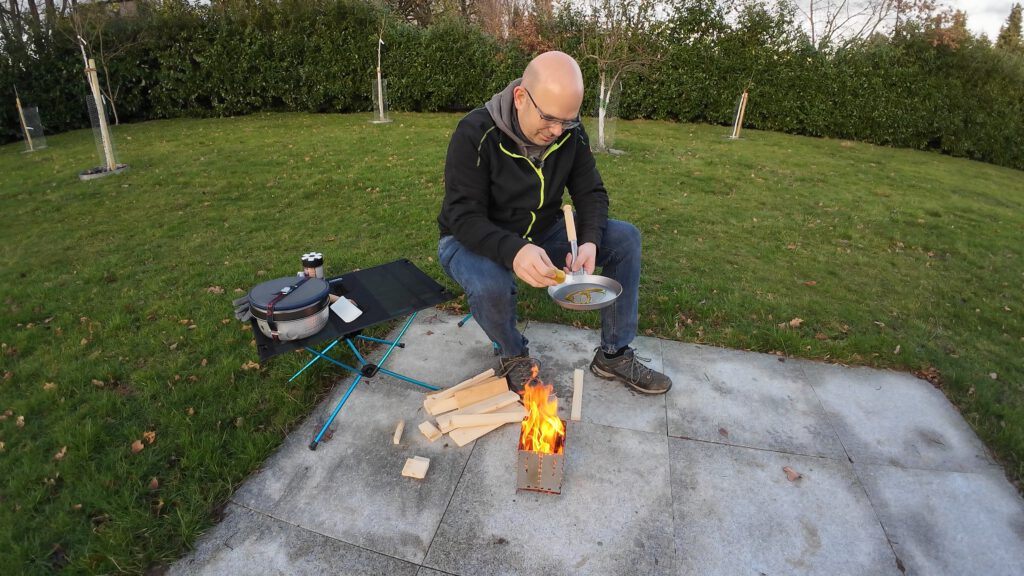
383 293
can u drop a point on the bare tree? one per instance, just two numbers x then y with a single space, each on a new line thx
618 37
89 26
833 23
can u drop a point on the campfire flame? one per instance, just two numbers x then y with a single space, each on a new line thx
543 431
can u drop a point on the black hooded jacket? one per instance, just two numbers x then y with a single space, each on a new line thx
497 200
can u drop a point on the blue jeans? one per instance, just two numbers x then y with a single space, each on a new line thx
491 287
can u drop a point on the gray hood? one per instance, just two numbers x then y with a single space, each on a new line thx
502 108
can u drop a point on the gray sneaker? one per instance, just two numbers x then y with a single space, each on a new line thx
627 368
518 370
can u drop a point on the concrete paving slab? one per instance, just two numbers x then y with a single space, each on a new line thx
613 516
431 572
562 349
248 542
351 487
736 512
441 353
885 417
949 523
733 509
746 399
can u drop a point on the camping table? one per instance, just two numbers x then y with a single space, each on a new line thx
383 293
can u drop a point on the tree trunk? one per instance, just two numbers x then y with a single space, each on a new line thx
602 109
51 14
15 17
35 23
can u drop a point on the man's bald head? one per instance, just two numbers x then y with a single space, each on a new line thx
553 86
554 72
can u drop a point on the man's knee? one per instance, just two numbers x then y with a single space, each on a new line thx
491 289
622 238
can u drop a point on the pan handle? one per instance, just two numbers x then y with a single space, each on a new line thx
570 223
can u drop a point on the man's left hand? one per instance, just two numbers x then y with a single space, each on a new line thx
586 258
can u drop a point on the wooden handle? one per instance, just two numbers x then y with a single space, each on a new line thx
570 223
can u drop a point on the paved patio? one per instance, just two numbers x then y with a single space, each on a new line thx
689 483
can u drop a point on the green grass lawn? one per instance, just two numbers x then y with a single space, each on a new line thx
116 315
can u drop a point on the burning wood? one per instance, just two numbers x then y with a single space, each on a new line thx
541 440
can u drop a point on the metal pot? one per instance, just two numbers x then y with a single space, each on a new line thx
290 308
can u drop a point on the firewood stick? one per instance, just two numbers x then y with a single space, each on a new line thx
398 432
430 431
484 406
468 383
439 406
416 467
480 392
577 395
472 420
463 436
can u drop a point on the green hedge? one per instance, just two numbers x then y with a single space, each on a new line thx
243 56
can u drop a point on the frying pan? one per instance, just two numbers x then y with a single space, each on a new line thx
582 291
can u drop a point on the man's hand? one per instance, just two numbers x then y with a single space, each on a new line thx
586 258
532 266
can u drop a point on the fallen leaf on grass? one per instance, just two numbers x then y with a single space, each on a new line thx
931 374
154 483
821 336
791 474
49 386
239 291
184 321
8 374
810 283
60 454
137 446
250 365
76 507
149 436
97 383
20 422
2 446
203 362
794 323
190 411
897 350
993 375
84 341
226 321
215 290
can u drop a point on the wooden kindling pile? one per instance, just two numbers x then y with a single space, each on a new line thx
472 408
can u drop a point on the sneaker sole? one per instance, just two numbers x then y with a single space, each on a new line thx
609 376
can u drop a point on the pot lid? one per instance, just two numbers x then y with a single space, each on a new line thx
310 292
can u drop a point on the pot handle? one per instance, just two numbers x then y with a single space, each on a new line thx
570 223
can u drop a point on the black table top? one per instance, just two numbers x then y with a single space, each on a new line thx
384 292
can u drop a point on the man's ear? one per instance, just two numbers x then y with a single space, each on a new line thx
519 97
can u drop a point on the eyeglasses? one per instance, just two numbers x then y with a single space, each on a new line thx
551 120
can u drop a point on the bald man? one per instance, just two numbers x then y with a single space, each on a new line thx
508 166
